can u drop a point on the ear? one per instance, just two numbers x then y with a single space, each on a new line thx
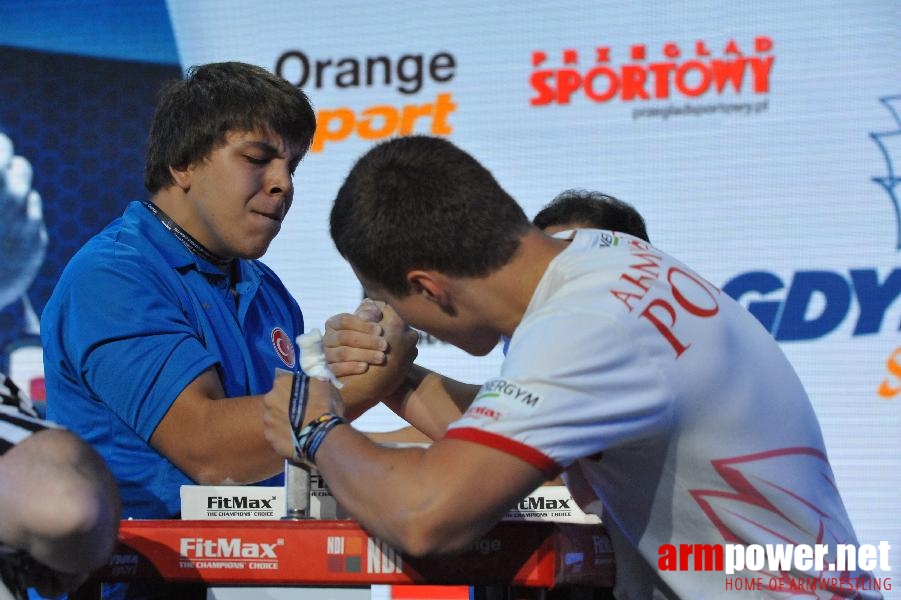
182 176
430 285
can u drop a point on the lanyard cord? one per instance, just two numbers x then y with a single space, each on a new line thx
186 238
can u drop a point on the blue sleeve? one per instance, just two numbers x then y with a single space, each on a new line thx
129 336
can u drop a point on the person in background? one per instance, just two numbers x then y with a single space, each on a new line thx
164 329
655 395
580 209
59 506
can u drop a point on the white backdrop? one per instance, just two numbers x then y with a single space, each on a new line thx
773 172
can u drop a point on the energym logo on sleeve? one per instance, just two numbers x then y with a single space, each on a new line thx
645 72
407 74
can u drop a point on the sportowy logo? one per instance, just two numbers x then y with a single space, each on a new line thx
642 72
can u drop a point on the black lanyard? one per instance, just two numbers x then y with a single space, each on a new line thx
186 238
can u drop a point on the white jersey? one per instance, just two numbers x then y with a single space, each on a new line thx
677 408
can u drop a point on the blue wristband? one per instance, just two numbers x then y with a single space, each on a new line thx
308 439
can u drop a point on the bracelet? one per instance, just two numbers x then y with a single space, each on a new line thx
297 403
308 439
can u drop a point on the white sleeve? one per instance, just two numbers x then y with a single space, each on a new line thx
571 386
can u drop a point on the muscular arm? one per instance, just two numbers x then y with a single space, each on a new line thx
59 504
421 501
402 436
430 401
216 440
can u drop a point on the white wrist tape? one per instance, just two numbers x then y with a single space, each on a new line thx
312 357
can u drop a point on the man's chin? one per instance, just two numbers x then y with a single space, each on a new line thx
255 251
480 347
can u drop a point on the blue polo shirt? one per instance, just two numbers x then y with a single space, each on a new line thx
134 318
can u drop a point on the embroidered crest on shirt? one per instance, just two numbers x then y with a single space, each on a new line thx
284 346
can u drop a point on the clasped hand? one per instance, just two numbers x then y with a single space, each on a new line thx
370 351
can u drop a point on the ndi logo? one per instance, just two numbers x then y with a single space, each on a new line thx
346 555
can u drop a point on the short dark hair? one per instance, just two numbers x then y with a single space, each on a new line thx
583 208
194 115
420 202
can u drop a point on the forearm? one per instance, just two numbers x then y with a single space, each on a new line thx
216 440
232 450
430 401
420 500
402 496
402 436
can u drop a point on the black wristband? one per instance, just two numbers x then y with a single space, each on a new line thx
308 439
300 391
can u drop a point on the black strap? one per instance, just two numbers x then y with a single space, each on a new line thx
186 238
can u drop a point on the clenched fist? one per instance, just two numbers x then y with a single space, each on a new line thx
372 351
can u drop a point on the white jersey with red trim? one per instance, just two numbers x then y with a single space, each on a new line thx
669 402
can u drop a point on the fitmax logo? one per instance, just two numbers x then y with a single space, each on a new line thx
542 503
238 502
227 548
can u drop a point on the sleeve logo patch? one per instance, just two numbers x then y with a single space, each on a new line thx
509 393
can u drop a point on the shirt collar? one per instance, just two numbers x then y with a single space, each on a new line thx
175 253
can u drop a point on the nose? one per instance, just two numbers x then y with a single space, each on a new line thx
279 180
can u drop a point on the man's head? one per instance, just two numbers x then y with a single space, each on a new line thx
576 209
425 227
195 114
420 202
223 148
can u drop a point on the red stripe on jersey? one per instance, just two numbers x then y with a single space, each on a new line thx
537 459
